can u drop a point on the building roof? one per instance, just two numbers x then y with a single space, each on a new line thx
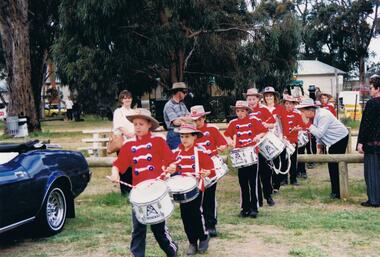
315 67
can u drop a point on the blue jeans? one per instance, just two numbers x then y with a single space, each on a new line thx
173 139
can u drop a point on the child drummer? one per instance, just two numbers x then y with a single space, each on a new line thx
212 141
146 154
192 160
247 132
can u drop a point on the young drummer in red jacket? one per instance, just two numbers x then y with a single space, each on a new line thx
262 113
147 155
187 162
324 98
247 132
212 141
293 123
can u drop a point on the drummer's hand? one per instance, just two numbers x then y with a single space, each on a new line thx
115 176
205 173
222 148
170 169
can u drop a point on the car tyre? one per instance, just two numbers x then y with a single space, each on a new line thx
52 216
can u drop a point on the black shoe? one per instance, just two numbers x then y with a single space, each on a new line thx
192 250
294 183
284 182
261 204
253 214
276 191
244 214
304 175
212 232
368 204
270 201
203 245
334 196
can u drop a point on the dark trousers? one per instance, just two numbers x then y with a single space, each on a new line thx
161 234
172 139
293 167
193 220
311 146
301 166
338 147
278 178
127 178
69 114
209 206
265 179
248 188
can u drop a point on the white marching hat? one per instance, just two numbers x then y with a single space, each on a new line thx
305 103
197 111
252 91
242 105
188 128
145 114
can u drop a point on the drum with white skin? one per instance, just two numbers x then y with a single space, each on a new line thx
183 189
271 146
303 138
221 169
243 157
151 201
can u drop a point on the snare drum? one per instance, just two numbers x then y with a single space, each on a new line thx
290 149
221 169
271 146
151 201
183 189
303 138
243 157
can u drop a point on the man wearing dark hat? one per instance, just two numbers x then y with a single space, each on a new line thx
174 113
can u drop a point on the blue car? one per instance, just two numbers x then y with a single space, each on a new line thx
38 184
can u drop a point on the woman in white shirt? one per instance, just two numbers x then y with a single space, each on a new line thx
122 126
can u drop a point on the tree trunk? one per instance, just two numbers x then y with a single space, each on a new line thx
361 70
14 28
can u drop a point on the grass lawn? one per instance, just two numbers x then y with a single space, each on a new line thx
304 222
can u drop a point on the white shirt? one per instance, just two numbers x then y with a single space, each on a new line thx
69 104
120 120
327 128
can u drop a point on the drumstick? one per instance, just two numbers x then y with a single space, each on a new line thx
120 182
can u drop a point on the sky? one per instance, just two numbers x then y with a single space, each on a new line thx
375 46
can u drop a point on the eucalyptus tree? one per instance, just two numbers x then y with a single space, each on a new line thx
104 46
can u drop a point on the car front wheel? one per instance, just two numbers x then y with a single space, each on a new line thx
53 214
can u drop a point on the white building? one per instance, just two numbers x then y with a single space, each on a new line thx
313 72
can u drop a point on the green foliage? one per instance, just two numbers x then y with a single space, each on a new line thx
337 32
355 124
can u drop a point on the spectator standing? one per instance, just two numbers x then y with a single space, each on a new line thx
174 113
69 108
122 126
369 144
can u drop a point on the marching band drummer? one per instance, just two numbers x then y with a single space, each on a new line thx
147 155
187 161
246 132
212 141
293 123
262 113
271 100
324 98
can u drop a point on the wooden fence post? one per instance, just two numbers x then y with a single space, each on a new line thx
343 180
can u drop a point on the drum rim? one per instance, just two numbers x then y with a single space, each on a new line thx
159 198
189 199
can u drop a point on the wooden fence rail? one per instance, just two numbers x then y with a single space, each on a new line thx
341 159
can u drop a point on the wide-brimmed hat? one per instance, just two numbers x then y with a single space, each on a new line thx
324 93
252 91
305 103
197 111
188 128
240 104
270 90
290 98
144 114
179 85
